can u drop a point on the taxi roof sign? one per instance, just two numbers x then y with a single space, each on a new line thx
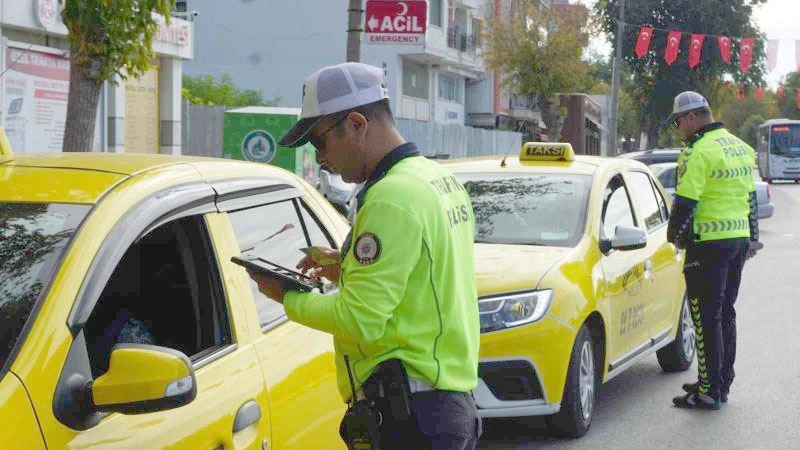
6 152
546 151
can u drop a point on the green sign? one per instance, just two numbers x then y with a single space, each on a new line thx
252 133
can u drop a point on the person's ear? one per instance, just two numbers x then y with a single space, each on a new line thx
359 122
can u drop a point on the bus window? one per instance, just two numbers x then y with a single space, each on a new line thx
785 140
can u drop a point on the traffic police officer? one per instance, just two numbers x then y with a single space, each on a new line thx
714 217
407 290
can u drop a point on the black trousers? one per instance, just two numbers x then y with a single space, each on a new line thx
713 271
440 420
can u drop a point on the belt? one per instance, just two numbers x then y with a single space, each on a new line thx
415 385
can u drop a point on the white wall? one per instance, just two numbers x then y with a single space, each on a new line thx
479 96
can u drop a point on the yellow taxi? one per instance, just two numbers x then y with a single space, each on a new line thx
124 323
576 279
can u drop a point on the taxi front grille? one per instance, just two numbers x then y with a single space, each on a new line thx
511 380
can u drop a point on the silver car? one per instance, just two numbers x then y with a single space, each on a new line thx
666 173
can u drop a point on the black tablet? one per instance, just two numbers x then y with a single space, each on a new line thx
290 278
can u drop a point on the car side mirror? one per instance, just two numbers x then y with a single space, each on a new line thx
629 238
143 379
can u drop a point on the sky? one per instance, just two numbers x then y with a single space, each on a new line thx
778 19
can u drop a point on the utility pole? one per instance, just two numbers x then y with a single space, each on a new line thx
354 30
613 122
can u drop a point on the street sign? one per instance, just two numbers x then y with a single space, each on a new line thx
396 22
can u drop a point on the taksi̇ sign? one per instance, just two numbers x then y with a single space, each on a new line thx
396 22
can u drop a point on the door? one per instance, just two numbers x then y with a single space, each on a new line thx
662 290
298 362
624 278
16 409
166 290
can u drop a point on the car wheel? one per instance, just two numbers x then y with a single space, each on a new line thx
678 355
577 406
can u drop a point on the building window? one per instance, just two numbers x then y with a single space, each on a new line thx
436 12
451 89
415 80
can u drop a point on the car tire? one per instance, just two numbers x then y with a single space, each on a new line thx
679 354
577 407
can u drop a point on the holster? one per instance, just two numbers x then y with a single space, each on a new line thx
389 383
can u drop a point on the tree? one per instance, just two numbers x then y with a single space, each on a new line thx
207 90
735 112
749 130
539 52
657 83
107 38
788 105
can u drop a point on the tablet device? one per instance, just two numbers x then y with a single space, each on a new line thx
290 278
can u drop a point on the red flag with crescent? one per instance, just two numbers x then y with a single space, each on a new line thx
673 45
643 42
745 54
725 48
759 94
696 49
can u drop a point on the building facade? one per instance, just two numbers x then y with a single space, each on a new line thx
583 124
272 46
135 115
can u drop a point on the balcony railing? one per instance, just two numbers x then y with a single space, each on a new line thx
461 41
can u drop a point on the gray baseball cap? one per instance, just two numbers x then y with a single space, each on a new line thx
684 102
334 89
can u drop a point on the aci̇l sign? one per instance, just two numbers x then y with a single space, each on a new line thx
396 22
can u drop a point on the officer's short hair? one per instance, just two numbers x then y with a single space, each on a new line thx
379 111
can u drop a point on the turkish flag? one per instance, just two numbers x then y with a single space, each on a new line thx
780 92
696 49
673 45
643 42
745 54
725 48
759 94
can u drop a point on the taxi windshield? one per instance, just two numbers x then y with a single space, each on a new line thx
530 209
32 238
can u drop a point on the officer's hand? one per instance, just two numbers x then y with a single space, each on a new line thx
753 248
326 264
268 285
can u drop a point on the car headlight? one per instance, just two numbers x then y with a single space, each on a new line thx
510 310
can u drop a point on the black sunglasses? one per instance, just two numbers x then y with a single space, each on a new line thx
319 141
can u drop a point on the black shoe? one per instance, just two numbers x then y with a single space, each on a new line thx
697 401
692 388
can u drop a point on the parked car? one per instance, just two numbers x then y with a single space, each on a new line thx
667 175
576 280
123 321
341 194
648 157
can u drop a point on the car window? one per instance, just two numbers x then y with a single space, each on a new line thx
617 209
276 232
32 240
662 203
645 198
167 291
532 209
667 178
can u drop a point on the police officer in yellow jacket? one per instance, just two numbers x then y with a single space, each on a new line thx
407 300
714 217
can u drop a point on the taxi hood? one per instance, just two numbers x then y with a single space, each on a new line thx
507 268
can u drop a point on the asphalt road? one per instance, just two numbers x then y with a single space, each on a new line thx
634 410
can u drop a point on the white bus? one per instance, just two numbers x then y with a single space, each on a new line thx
779 150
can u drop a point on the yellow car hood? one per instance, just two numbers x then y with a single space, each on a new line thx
507 268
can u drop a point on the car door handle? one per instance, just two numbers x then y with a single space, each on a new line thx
247 415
